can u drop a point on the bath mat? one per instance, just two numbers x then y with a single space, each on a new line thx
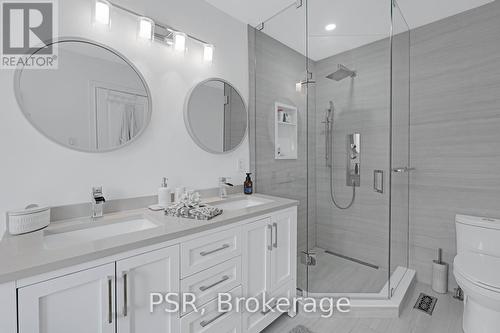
300 329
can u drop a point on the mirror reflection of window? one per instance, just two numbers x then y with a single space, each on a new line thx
95 101
216 116
120 117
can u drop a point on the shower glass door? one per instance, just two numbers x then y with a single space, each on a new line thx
278 113
350 128
329 114
400 148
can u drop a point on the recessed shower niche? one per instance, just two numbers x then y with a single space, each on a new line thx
285 131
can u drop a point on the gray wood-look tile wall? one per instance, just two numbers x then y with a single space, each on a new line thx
455 130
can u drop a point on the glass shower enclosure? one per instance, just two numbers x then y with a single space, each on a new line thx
329 117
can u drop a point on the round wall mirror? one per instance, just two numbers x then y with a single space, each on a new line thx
216 116
94 101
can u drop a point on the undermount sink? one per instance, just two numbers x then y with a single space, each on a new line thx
242 203
95 230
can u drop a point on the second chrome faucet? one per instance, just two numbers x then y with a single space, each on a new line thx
223 184
97 203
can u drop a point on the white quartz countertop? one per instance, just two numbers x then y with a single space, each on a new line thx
30 254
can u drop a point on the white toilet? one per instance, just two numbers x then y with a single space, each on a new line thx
477 271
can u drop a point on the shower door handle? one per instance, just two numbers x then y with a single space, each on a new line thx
402 169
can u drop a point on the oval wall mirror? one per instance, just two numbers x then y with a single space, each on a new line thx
216 116
95 100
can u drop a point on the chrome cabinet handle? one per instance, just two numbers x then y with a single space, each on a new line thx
206 253
125 295
205 323
110 300
224 278
275 244
270 246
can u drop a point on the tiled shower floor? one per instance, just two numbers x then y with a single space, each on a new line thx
333 274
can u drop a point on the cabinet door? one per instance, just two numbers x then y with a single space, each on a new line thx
256 257
283 252
82 302
8 306
137 277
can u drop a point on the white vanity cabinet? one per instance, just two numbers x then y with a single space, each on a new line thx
85 301
8 322
138 277
284 248
249 258
269 265
81 302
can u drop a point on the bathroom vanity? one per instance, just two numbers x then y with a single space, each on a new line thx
96 276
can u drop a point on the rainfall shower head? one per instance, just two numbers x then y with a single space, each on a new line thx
341 73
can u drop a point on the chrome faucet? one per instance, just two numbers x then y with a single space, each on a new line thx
223 187
97 202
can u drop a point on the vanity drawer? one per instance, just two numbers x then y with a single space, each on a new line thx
212 321
204 252
208 283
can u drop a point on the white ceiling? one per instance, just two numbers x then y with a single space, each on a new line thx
359 22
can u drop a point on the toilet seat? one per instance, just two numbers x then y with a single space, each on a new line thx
481 270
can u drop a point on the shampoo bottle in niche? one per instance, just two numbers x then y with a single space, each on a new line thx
248 185
164 194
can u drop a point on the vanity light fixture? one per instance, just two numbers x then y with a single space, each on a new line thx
208 53
152 29
146 28
330 27
180 41
102 12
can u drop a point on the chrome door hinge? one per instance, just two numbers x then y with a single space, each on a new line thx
308 259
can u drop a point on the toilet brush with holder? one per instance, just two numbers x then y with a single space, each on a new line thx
440 274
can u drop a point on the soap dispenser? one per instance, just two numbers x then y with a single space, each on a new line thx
164 194
248 185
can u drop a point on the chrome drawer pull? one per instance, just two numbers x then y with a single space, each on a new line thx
205 323
224 278
270 246
275 226
110 300
206 253
125 295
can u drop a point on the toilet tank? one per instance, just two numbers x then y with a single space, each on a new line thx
478 234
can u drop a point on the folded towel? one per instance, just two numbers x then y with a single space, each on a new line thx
190 206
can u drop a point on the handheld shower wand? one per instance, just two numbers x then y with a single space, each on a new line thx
329 146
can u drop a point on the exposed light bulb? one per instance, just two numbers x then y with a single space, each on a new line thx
208 52
146 28
102 12
180 41
330 27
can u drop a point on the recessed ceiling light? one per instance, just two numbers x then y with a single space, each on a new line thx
330 27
